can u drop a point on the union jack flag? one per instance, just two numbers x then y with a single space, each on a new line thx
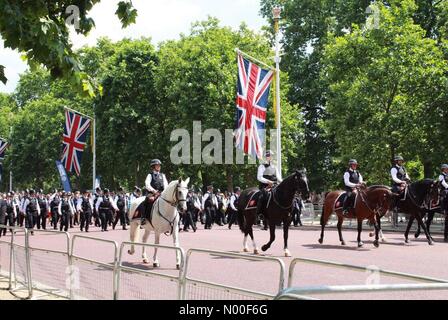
254 85
74 141
3 146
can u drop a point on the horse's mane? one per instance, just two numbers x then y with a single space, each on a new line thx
372 188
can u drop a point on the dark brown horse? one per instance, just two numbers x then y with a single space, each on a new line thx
413 203
371 204
278 210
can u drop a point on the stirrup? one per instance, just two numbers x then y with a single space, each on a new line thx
143 222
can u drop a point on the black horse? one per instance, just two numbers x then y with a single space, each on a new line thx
431 208
413 202
278 209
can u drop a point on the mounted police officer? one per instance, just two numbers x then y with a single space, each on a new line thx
400 180
443 178
155 184
233 206
352 180
122 204
268 175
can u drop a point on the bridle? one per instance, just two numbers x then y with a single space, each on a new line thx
174 204
274 192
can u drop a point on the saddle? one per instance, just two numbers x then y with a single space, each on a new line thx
143 206
339 203
253 201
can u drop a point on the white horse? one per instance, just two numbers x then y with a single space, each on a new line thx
165 218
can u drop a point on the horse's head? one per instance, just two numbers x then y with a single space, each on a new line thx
425 191
302 183
181 193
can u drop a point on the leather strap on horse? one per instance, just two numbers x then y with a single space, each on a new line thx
276 201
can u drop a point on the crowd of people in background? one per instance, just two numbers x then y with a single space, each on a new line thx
105 209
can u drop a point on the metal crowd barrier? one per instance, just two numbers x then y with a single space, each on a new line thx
51 268
358 268
299 293
19 270
92 279
195 289
148 284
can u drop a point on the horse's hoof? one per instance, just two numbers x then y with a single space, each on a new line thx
256 252
130 253
371 234
156 265
376 244
343 243
264 248
145 261
288 254
360 245
407 241
431 243
245 250
384 240
178 267
417 235
321 241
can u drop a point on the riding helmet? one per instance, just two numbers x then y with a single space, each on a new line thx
353 161
398 158
155 162
444 166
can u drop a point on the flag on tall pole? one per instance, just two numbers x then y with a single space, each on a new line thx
74 140
254 84
3 145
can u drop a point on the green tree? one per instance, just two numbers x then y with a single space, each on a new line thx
385 92
40 30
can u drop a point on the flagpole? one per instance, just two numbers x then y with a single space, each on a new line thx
277 12
10 168
238 51
94 153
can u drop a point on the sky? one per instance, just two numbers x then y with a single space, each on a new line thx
161 20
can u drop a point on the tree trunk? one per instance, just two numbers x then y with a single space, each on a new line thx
427 165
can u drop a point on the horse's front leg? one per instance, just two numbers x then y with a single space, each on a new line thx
422 224
285 237
408 229
156 263
176 244
376 220
272 236
360 243
145 240
133 236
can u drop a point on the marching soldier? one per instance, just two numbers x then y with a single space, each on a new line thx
122 204
65 211
105 207
209 206
43 205
443 178
32 211
55 200
233 207
188 219
11 211
85 207
3 209
155 184
352 180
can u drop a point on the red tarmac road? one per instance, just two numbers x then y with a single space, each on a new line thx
417 258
